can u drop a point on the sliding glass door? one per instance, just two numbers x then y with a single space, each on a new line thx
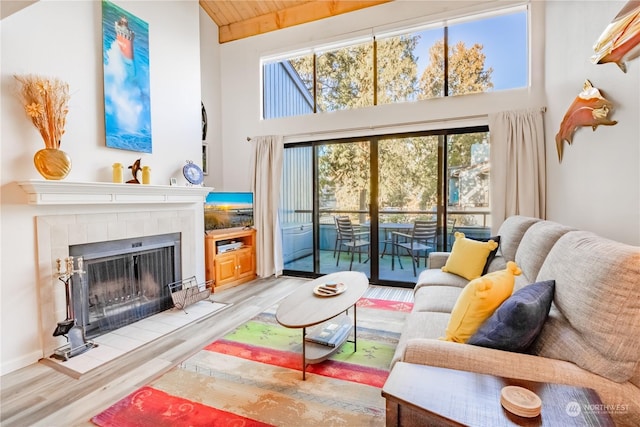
296 209
343 191
379 187
322 181
408 183
467 202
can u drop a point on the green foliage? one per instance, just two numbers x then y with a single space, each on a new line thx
408 172
344 78
397 69
466 71
407 167
343 172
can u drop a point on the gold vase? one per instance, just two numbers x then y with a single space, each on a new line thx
52 163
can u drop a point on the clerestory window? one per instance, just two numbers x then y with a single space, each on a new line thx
463 56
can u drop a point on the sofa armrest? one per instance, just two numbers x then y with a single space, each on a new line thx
467 357
438 259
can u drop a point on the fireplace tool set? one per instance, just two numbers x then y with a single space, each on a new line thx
68 328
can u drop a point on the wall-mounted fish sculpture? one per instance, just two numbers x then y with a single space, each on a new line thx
589 108
620 41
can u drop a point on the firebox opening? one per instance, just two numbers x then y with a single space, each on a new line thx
125 281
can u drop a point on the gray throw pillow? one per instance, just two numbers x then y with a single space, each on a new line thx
519 319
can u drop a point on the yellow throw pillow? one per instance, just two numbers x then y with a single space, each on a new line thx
468 256
477 302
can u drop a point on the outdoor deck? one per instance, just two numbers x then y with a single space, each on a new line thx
304 264
328 265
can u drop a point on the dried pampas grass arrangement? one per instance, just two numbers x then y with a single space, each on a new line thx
46 102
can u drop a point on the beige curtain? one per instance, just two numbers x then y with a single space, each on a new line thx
518 167
267 174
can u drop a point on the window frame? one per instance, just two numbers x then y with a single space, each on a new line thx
395 32
443 207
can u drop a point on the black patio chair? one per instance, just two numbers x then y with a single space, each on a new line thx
352 239
422 239
339 238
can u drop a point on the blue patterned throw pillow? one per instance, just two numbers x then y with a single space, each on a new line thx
519 319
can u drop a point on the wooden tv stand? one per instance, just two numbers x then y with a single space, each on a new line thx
233 267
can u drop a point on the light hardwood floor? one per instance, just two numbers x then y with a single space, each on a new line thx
39 395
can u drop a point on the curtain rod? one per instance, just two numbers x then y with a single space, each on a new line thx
373 127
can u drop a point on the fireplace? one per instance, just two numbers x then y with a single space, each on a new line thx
125 281
71 213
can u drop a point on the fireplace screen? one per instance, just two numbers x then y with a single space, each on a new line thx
125 281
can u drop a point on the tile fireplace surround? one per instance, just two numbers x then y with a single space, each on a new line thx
97 212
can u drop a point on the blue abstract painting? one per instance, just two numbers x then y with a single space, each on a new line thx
127 110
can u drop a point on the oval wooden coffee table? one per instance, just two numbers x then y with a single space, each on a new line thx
303 308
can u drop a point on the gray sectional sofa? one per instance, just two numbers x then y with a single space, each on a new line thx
591 337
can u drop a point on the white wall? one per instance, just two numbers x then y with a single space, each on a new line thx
210 69
64 39
595 188
597 185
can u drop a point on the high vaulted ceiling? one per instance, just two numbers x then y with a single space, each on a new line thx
237 19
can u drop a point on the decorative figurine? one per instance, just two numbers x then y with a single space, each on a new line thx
135 168
589 108
620 41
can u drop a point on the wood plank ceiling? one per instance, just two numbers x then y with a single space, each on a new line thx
237 19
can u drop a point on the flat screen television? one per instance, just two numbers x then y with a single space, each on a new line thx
228 210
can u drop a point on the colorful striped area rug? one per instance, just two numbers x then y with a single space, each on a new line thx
253 377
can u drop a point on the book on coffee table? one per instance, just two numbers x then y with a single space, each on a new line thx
330 333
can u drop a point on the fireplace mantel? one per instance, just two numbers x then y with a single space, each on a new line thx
43 192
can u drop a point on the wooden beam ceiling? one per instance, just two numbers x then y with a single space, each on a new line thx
237 19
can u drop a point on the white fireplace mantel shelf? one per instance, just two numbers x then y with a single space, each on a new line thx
43 192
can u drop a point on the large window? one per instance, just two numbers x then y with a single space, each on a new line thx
382 184
343 81
465 56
